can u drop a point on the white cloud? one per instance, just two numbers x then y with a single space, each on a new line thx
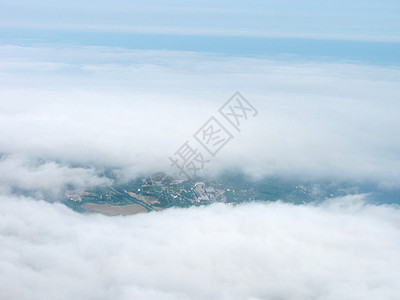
130 110
44 179
340 250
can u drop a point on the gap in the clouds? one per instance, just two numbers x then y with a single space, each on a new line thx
381 53
115 191
161 191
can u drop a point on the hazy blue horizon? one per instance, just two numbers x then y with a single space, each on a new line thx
342 50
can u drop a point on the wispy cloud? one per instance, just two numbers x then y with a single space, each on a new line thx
359 20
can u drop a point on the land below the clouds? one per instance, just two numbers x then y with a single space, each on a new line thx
160 191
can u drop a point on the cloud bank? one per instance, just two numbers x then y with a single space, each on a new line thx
44 180
100 108
342 249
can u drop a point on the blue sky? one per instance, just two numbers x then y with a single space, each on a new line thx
367 31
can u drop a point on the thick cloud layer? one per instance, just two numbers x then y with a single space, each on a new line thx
129 110
342 249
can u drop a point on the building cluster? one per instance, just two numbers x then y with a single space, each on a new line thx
208 194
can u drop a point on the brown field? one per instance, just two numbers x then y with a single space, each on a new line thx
114 210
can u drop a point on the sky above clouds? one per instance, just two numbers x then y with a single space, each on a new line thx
346 30
346 19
